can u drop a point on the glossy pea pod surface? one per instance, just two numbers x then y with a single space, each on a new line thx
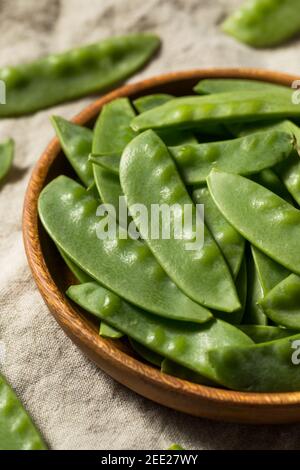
264 23
76 142
222 85
78 72
126 266
6 157
17 432
149 176
187 344
262 217
191 112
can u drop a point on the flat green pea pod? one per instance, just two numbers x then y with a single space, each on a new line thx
6 157
264 23
242 156
185 343
144 103
146 353
191 112
254 314
149 176
230 242
78 72
76 142
282 303
126 266
109 332
172 368
264 333
17 431
270 222
269 272
221 85
265 367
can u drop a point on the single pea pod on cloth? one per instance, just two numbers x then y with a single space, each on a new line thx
75 73
221 85
191 112
178 341
271 224
265 367
264 23
17 431
125 265
149 176
6 157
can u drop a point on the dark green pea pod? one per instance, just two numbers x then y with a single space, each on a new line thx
282 303
231 243
149 176
264 23
270 221
109 332
126 266
144 103
254 314
269 179
269 272
146 353
172 368
75 73
243 156
7 149
17 431
92 189
264 334
191 112
76 142
209 86
178 341
266 367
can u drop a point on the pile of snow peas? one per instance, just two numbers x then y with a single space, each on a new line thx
228 313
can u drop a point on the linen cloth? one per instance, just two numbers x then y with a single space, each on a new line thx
75 404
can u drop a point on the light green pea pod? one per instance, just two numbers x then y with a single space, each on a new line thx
17 431
172 368
282 303
264 23
191 112
109 163
76 142
230 242
7 149
266 367
78 72
149 176
254 314
109 332
269 272
264 334
108 186
126 266
270 221
221 85
144 103
176 447
146 353
185 343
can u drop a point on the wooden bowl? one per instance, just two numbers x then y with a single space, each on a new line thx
115 357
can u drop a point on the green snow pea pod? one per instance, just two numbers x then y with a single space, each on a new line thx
231 243
109 163
172 368
191 112
108 186
271 222
220 85
17 431
265 367
144 103
6 157
269 272
282 303
264 23
254 314
269 179
76 142
149 176
126 266
109 332
176 447
185 343
92 189
146 353
243 156
264 334
78 72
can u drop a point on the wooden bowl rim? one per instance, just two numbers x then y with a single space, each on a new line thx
67 316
